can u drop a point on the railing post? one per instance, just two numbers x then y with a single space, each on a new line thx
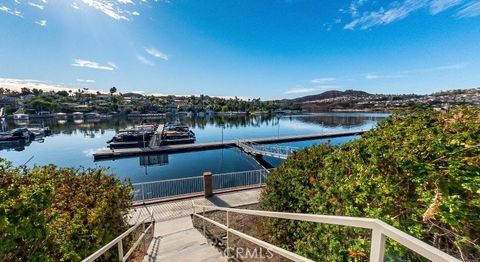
120 251
143 191
144 244
208 184
228 234
203 220
377 248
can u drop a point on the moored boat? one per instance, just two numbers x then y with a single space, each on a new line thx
177 134
18 135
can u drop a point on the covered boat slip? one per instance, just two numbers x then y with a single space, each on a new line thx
152 136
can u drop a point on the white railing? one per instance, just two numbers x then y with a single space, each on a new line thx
193 185
167 188
239 179
380 231
267 150
119 240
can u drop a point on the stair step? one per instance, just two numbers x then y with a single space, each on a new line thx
177 240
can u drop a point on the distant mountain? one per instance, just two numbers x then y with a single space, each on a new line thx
330 94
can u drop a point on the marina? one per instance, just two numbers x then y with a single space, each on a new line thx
109 153
73 142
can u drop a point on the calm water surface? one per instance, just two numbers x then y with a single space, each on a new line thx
73 142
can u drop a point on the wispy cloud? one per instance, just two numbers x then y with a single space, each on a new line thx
112 65
145 61
372 76
452 66
437 6
93 65
36 5
116 9
10 11
470 10
41 22
18 84
155 53
111 8
375 14
406 73
304 90
74 5
89 81
323 80
385 16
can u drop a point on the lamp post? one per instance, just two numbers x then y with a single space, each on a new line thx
278 125
223 127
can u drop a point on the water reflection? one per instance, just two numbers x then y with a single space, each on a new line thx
72 143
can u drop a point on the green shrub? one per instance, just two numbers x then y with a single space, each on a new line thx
58 214
419 172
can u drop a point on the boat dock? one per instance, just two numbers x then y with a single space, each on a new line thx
156 139
131 152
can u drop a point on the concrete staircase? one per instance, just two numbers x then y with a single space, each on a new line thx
177 240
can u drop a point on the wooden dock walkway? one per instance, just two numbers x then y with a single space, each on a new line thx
156 139
131 152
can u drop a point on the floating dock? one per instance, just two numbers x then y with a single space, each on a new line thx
131 152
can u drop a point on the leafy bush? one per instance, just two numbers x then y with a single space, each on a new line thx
58 214
419 172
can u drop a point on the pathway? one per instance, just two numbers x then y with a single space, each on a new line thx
177 240
181 208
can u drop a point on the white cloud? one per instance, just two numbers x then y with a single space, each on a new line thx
323 80
437 6
74 5
108 7
41 22
112 65
93 65
145 61
376 15
470 10
86 81
18 84
372 76
36 5
302 90
386 16
154 52
10 11
452 67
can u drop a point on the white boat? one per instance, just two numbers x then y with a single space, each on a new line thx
77 115
20 116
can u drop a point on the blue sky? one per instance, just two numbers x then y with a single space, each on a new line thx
247 48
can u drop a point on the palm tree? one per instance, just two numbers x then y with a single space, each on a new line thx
113 90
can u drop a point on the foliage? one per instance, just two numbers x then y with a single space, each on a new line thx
49 213
419 172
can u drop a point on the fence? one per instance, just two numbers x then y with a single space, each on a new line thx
239 179
196 185
167 188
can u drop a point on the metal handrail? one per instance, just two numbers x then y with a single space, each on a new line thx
266 149
167 180
118 240
380 231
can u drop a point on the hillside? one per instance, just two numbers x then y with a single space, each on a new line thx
419 172
351 100
330 94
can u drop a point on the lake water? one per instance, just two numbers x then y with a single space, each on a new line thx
73 142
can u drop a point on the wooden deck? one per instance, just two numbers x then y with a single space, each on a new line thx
130 152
